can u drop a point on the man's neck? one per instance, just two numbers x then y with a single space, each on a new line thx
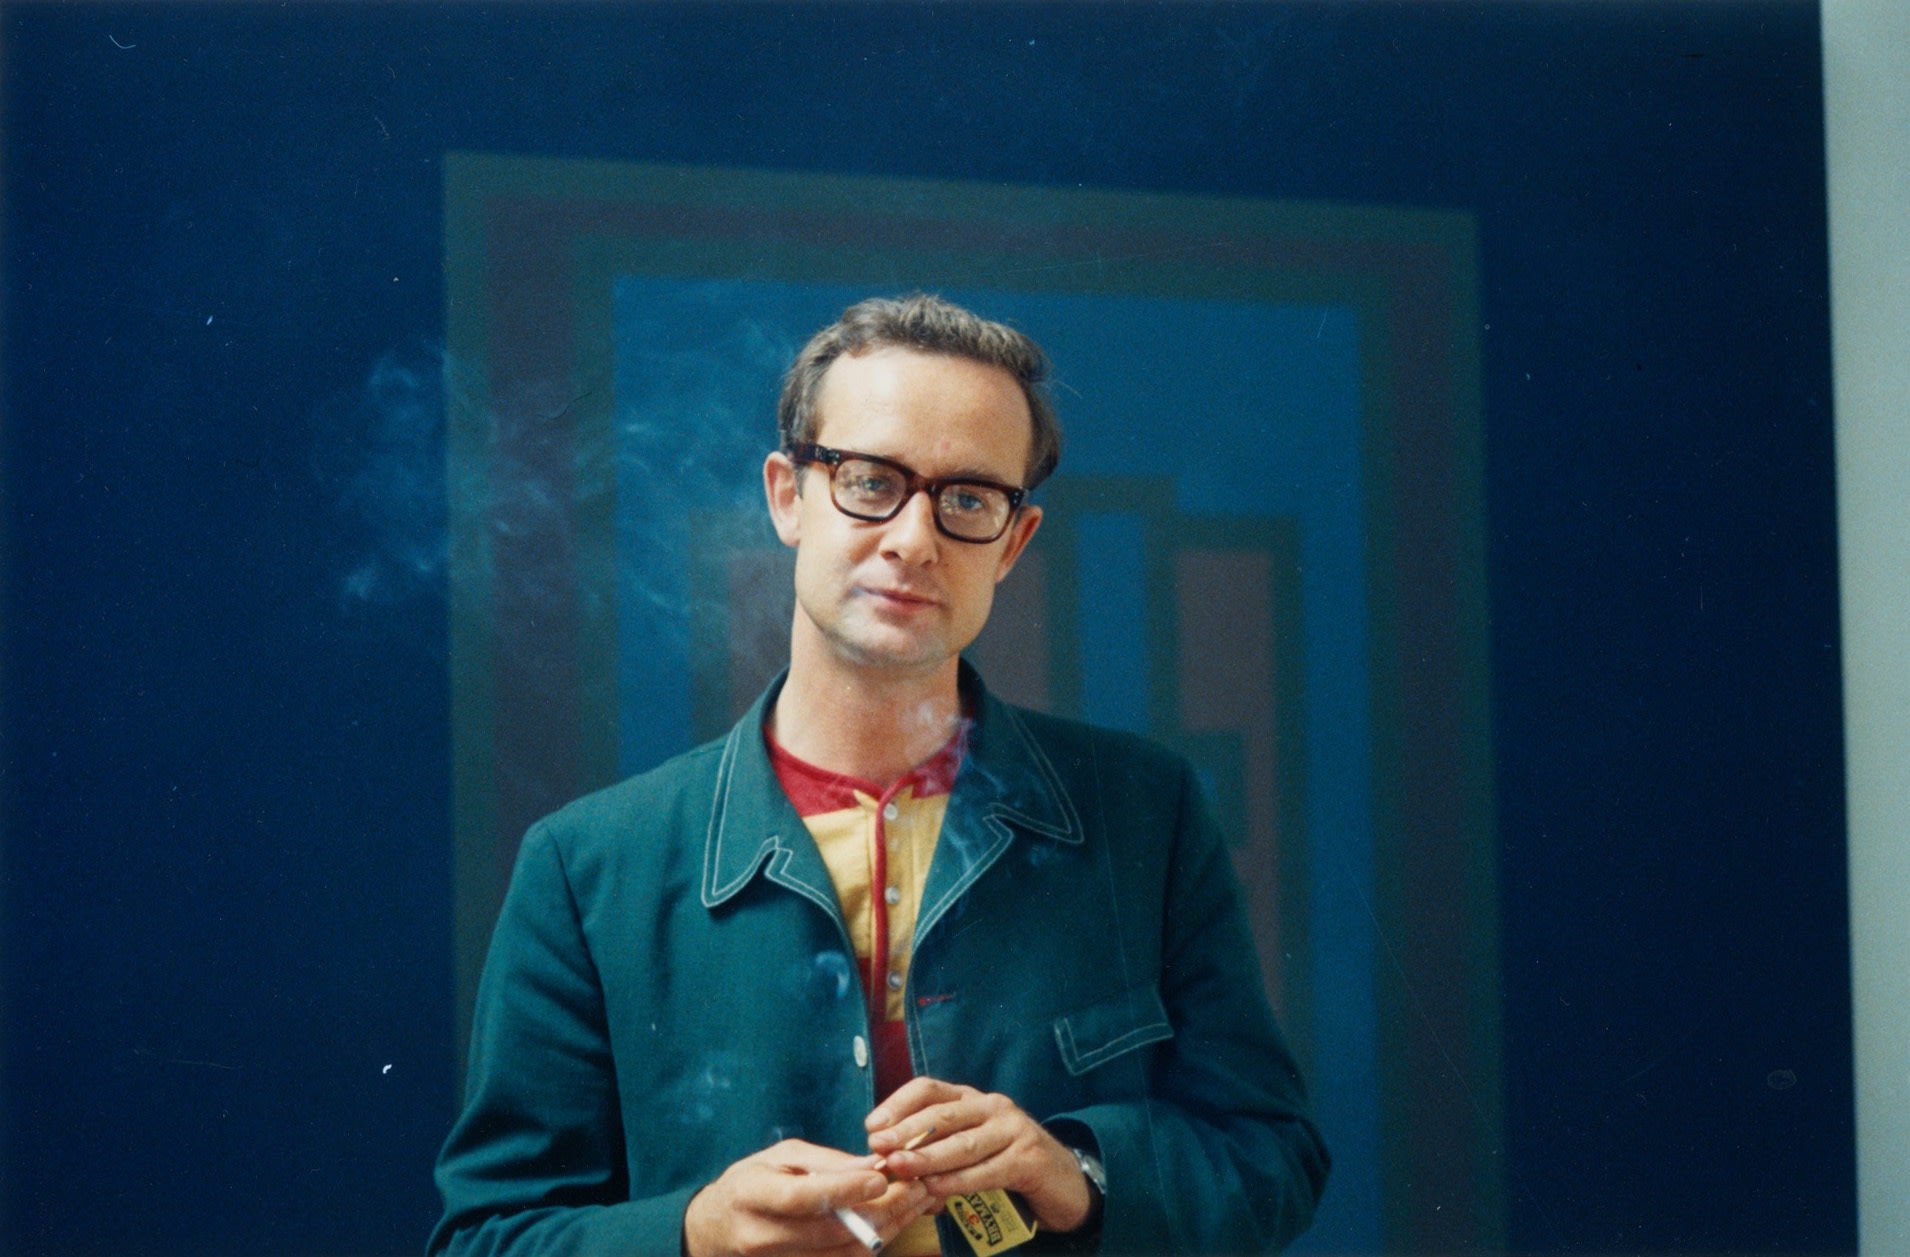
865 723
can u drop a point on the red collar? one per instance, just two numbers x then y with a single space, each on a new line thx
815 790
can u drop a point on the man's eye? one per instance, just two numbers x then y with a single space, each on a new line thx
866 483
966 501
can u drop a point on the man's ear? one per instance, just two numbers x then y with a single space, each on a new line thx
782 488
1019 534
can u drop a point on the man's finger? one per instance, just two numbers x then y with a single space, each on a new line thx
994 1171
910 1097
904 1203
800 1194
962 1149
926 1126
962 1132
808 1158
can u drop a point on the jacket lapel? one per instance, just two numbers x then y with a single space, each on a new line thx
753 829
1006 786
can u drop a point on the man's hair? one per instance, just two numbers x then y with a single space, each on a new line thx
928 324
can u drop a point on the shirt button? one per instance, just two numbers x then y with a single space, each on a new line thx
862 1052
893 894
890 812
895 981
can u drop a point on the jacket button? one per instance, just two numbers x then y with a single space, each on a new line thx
862 1052
895 981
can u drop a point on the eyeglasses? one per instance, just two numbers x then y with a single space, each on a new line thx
865 486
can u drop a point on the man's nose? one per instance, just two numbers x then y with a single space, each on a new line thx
911 534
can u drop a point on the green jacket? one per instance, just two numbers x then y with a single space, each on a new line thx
670 988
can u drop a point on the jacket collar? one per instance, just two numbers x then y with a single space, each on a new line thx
1006 784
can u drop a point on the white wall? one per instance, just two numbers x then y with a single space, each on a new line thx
1867 120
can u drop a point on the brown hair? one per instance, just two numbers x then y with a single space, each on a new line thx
924 322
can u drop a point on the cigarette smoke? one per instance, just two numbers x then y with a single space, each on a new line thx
672 457
379 453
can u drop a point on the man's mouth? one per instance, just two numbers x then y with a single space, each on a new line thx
905 598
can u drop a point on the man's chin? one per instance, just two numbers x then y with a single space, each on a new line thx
894 652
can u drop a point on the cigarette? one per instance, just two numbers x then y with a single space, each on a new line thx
859 1227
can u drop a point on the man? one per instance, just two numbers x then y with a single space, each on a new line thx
892 942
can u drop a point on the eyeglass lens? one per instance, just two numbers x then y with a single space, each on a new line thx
870 490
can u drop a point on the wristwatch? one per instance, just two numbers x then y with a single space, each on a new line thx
1097 1177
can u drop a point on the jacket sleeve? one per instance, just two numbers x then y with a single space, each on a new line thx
536 1162
1221 1156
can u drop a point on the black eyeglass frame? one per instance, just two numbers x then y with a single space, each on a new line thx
800 452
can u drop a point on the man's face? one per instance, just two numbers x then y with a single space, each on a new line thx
899 595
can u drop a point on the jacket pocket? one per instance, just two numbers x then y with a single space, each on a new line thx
1092 1036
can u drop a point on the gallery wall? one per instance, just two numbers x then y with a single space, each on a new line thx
228 963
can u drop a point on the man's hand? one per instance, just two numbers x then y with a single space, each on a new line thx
979 1141
783 1200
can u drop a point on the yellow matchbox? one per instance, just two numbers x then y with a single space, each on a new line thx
989 1221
